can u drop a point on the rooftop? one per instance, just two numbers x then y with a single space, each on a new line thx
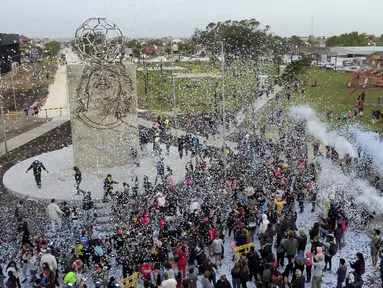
363 50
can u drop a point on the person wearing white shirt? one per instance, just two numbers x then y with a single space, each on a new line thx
168 282
54 211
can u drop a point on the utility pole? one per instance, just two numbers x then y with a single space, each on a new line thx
223 111
3 121
312 25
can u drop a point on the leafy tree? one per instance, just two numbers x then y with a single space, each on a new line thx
347 40
51 48
241 39
295 69
187 46
296 41
312 41
154 42
136 46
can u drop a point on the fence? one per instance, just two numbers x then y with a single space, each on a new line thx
48 109
13 114
130 281
238 250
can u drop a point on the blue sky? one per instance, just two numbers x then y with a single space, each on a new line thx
157 18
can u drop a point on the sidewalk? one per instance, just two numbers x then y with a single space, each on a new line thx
57 97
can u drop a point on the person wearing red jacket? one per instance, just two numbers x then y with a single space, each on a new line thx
182 252
163 223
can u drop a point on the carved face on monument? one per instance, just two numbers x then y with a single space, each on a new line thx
104 96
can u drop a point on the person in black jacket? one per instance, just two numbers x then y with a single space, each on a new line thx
302 240
23 230
358 281
87 206
299 282
77 178
253 264
359 265
37 166
108 187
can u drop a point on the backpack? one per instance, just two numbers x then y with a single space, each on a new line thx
332 249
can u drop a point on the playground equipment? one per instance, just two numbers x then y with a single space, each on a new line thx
364 75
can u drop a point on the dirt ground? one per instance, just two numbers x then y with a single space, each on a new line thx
17 127
30 84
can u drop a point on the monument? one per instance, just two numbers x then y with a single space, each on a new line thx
103 98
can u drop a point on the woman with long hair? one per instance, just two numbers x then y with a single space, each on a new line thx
12 266
236 275
359 265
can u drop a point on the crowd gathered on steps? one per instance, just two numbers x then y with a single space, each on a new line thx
174 236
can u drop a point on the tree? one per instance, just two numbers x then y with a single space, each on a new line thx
296 41
51 48
296 68
312 41
136 47
187 47
241 39
279 46
348 40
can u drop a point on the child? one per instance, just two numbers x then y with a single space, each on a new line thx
233 246
341 272
309 264
344 223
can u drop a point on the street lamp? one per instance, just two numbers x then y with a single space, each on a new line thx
3 121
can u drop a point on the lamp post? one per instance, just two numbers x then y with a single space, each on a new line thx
3 121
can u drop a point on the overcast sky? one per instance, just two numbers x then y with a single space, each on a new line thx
157 18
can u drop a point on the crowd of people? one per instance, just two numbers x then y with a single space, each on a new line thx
178 235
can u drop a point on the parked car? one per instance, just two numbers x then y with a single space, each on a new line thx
322 64
330 66
341 68
352 69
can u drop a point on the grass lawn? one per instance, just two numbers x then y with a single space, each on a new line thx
197 95
330 95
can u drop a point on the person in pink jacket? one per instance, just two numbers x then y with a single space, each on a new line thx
309 264
233 246
344 224
182 252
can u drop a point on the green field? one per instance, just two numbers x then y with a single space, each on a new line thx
197 95
330 95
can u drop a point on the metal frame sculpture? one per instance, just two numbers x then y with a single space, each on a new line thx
105 90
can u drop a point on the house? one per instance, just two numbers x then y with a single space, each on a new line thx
150 50
9 51
26 45
375 60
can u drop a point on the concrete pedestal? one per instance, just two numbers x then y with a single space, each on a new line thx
103 108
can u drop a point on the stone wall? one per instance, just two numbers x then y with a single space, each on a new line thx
103 109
